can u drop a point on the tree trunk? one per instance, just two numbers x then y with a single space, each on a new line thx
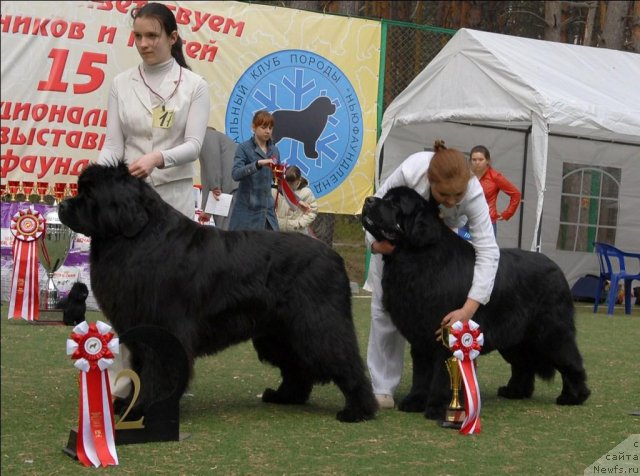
635 27
553 18
614 24
587 39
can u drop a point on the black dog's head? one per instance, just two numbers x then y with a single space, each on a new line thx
110 203
402 216
78 292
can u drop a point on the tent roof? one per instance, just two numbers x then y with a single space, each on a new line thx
498 79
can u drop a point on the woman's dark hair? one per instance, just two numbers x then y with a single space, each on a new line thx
168 21
481 149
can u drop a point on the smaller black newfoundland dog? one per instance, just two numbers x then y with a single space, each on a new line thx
74 305
529 319
289 293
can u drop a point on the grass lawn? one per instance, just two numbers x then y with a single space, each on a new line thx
232 432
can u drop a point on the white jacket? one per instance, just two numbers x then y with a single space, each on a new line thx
129 123
413 173
295 219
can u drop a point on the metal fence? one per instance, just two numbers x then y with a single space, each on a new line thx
405 51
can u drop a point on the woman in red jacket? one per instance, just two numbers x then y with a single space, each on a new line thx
492 183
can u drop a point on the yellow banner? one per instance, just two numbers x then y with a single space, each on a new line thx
318 75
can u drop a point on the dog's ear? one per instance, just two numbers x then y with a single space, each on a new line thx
427 227
133 218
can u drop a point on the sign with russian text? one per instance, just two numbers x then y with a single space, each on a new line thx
318 75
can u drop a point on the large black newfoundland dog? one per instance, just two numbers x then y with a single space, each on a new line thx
289 293
529 319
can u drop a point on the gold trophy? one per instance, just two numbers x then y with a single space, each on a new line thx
455 414
20 196
41 187
13 186
30 192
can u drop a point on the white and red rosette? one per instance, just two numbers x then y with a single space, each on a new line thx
27 226
466 340
92 346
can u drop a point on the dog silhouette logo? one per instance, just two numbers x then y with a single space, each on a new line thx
93 346
304 126
318 118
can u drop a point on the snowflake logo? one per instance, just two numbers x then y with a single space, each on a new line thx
318 118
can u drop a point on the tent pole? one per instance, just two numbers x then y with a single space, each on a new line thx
523 184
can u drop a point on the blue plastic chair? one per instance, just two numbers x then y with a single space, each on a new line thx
613 269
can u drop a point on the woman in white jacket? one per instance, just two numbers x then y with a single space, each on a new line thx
443 176
158 111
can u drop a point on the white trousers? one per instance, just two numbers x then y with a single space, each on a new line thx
385 351
122 386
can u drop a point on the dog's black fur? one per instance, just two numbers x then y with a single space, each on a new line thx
74 305
529 319
287 292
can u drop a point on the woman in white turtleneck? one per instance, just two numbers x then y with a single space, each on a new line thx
158 111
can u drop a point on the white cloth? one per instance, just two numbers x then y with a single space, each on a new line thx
385 351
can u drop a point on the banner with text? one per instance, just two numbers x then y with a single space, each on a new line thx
317 73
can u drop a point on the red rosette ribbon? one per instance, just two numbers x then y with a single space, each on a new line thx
92 346
466 340
27 226
284 189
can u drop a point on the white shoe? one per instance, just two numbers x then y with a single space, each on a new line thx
385 401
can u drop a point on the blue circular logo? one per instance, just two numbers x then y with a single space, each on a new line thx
318 118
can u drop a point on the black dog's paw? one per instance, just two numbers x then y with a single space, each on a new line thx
274 396
579 399
513 393
413 403
435 412
120 405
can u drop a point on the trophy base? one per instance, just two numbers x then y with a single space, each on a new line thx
453 419
454 425
70 449
51 317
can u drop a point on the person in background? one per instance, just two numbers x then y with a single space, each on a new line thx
216 162
300 217
158 111
252 168
492 183
443 176
157 116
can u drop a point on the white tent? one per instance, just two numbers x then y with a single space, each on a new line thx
552 115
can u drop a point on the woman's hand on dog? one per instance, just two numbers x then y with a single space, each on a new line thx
144 165
465 313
